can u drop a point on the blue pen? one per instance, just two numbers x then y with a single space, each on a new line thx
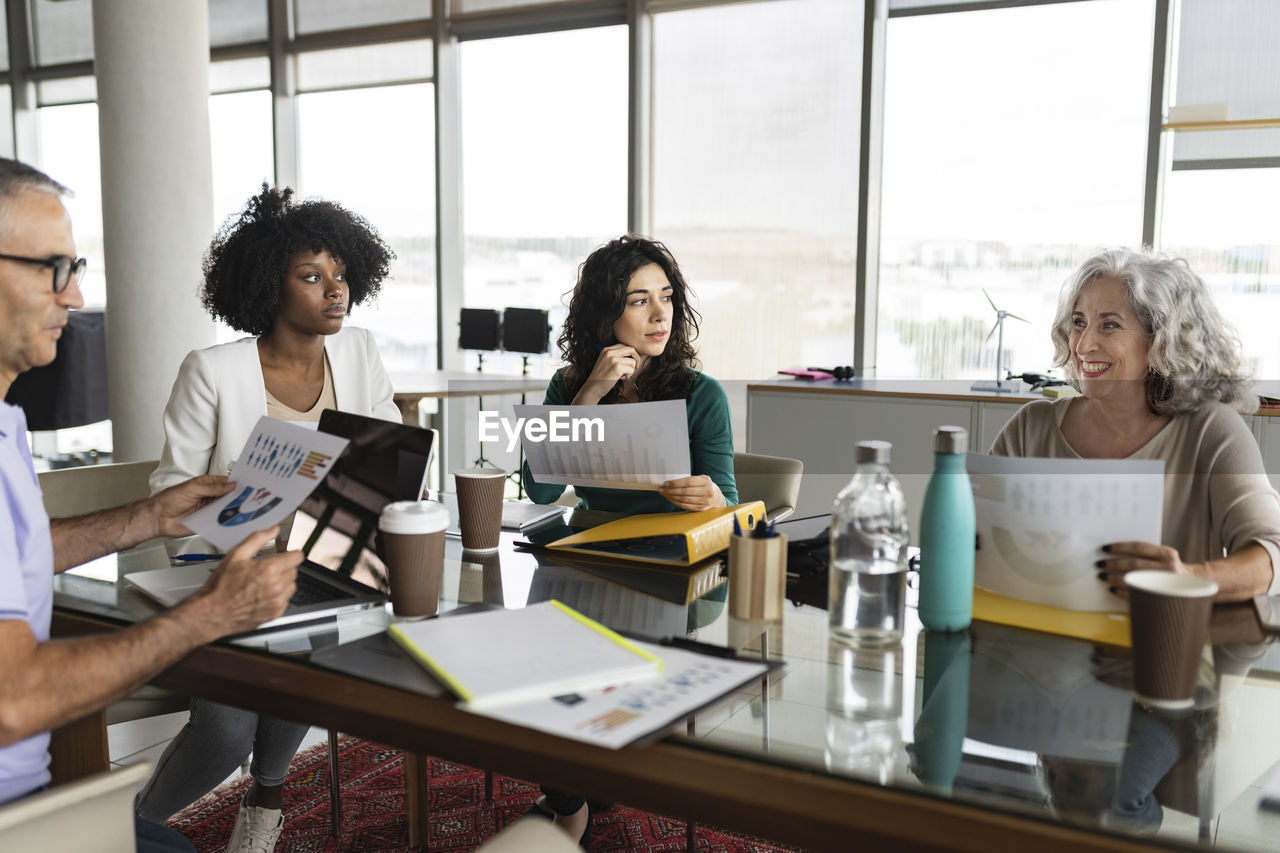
737 528
196 558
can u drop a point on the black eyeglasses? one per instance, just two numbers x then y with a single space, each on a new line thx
64 267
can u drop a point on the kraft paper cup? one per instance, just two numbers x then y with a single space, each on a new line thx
1168 625
413 539
757 577
480 506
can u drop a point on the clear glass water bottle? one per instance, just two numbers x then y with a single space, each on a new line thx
868 571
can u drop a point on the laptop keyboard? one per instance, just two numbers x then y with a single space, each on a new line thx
313 591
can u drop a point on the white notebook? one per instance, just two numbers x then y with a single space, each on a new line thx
502 656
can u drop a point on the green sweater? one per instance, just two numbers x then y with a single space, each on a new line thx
710 453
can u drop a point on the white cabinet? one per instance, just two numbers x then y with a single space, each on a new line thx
820 425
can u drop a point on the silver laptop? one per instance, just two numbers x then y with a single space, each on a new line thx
336 526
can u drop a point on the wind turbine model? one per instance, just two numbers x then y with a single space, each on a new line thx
999 385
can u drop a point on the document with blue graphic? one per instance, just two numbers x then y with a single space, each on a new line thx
280 465
634 710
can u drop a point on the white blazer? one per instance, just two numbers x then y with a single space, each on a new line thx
220 394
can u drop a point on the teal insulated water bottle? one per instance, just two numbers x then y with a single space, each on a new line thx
947 533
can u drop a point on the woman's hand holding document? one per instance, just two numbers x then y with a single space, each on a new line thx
637 446
1042 524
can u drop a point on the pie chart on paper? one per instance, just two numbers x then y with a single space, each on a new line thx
1046 557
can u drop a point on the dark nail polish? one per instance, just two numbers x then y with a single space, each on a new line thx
1106 549
1102 564
1102 576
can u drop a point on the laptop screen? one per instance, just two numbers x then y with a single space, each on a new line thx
337 525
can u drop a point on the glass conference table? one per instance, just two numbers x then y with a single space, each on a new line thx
994 739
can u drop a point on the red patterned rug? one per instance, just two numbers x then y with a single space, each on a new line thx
373 810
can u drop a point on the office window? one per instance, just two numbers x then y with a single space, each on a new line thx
755 177
464 6
367 65
239 75
62 30
6 125
1221 190
319 15
237 22
1011 152
544 172
68 138
371 150
1226 68
1226 223
240 139
68 153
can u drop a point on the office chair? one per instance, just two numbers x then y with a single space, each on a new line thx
772 479
102 810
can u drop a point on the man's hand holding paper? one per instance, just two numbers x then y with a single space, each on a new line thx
280 465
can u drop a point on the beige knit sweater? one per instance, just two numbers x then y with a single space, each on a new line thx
1217 498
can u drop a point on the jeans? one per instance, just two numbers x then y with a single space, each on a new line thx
213 743
154 838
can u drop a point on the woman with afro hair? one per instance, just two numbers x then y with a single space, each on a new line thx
286 272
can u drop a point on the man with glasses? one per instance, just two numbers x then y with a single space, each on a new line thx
48 683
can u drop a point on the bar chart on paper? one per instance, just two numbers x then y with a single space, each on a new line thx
636 446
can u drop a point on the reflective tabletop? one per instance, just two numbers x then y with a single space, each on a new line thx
998 718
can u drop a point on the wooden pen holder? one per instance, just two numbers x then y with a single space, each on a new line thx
757 577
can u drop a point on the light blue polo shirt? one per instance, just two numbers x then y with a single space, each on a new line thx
26 583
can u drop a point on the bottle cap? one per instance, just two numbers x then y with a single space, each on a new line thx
951 439
876 452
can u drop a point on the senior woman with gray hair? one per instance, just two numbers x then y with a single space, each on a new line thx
1159 373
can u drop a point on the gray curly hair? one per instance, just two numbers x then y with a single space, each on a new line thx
1194 356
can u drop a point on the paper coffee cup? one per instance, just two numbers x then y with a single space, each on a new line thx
480 506
1168 625
413 542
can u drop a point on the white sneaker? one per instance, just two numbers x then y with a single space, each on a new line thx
256 830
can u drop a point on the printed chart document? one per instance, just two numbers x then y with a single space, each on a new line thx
1041 523
615 716
636 446
280 465
503 656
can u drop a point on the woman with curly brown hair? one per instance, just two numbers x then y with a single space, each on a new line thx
629 338
287 273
